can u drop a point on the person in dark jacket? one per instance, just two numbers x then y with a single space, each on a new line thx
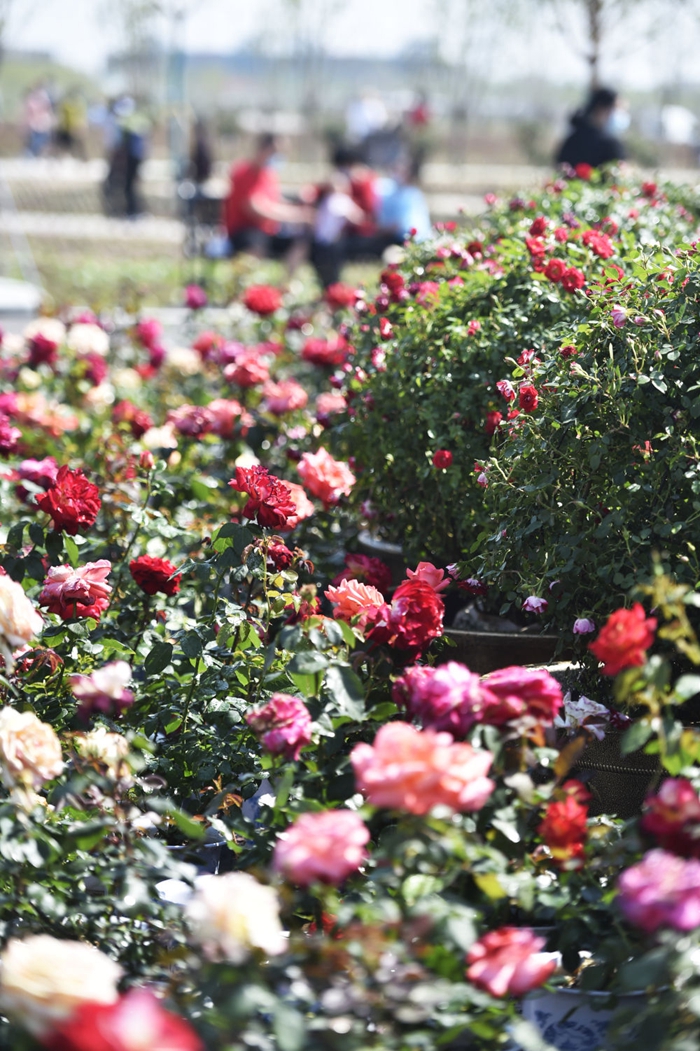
595 130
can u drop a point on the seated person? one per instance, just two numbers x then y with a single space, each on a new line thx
256 218
595 130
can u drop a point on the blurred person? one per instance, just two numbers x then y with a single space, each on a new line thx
403 209
38 120
256 217
201 159
71 124
335 212
126 140
348 161
418 115
365 115
595 131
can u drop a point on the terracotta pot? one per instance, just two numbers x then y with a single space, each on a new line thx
574 1020
485 651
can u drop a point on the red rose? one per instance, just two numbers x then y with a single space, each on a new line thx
279 554
72 501
672 817
584 171
598 243
42 351
155 574
476 247
442 459
386 329
649 189
535 246
492 421
148 331
555 269
263 299
412 621
528 398
270 499
393 280
573 279
624 639
138 420
329 352
539 226
509 962
569 351
339 296
137 1020
564 829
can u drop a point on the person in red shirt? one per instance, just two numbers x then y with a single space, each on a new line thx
257 219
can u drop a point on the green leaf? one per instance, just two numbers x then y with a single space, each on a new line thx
71 549
159 658
687 686
634 738
191 829
191 644
307 663
14 536
346 690
289 1028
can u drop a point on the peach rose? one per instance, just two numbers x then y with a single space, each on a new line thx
324 477
305 507
415 770
43 980
19 621
108 749
325 847
231 915
353 599
30 751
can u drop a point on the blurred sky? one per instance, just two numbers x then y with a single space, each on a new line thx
78 33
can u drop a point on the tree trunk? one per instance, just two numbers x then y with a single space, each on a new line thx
594 12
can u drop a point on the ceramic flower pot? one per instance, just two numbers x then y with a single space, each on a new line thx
485 651
618 783
574 1020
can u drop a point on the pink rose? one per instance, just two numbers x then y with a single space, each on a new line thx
583 626
248 370
283 725
324 847
304 507
521 692
508 962
75 593
324 477
533 604
329 404
619 316
195 297
104 690
225 413
661 890
354 601
415 770
283 396
449 697
430 575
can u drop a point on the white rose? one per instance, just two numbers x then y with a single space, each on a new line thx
88 339
164 437
231 915
126 379
583 712
48 327
43 980
19 620
30 751
99 398
183 360
108 748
